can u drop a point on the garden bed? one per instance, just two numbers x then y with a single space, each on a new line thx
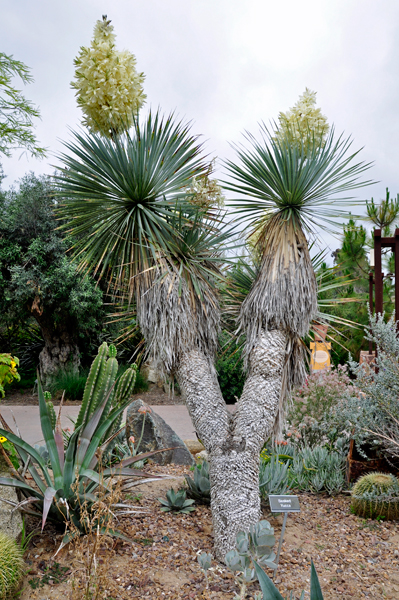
354 558
154 397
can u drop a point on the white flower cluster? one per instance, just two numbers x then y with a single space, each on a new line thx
109 89
205 192
303 122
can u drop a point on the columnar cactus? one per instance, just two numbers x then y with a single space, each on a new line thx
376 495
100 386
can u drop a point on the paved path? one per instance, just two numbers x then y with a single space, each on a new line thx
27 418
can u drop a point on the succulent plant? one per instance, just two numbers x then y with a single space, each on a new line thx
11 566
176 502
376 495
270 592
273 477
100 385
199 488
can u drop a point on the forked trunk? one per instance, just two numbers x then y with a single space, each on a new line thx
233 442
235 501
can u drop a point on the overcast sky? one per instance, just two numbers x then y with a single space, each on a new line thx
225 65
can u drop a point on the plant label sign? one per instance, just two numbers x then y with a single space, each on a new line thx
284 504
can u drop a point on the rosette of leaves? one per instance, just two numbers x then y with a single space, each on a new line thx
56 486
199 488
176 502
376 495
273 476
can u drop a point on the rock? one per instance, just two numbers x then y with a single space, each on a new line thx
152 374
194 446
157 434
11 524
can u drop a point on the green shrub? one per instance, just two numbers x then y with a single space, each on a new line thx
70 382
376 495
229 368
11 566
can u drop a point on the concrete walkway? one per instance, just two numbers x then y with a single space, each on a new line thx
28 421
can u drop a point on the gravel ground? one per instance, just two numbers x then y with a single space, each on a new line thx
354 558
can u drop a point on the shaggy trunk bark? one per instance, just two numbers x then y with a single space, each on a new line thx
61 352
233 442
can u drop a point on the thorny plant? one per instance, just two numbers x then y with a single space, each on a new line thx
92 552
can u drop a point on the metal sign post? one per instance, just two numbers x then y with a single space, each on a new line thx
283 504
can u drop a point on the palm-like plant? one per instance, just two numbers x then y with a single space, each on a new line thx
297 188
118 194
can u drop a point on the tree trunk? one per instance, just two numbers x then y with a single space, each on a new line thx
61 351
233 442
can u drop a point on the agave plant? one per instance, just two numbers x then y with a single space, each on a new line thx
176 502
70 476
270 592
199 488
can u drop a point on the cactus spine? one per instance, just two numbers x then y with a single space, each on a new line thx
11 566
376 495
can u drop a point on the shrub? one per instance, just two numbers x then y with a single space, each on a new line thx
376 495
322 391
376 419
8 370
70 382
11 566
229 368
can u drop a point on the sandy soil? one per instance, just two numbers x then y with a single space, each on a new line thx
354 558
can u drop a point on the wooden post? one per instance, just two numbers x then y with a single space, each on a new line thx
378 272
371 282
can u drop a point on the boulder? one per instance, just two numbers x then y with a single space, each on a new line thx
10 523
194 446
157 434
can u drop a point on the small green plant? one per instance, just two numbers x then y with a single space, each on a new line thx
26 539
199 488
255 545
176 502
273 476
270 592
9 449
11 566
205 561
376 496
8 370
54 573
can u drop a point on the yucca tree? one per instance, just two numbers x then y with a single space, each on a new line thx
165 255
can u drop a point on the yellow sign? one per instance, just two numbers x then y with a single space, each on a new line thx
320 358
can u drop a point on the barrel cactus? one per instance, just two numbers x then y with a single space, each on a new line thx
11 566
376 495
